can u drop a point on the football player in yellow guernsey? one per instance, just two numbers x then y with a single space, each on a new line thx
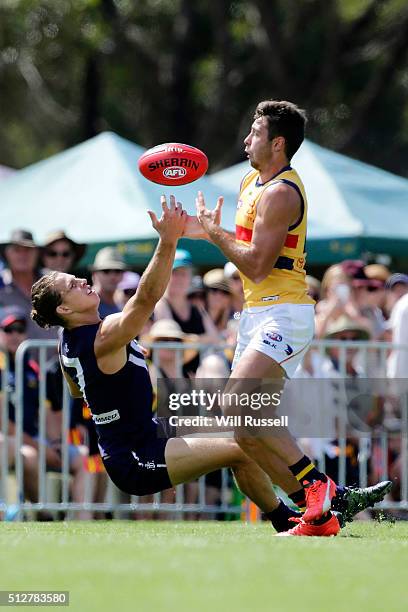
277 323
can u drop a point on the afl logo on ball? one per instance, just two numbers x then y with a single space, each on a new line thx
174 173
173 163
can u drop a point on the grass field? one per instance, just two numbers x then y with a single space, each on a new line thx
117 566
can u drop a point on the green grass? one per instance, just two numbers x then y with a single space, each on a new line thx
211 566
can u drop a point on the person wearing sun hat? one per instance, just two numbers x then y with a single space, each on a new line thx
168 330
219 298
367 296
21 256
344 328
216 279
107 273
61 253
377 271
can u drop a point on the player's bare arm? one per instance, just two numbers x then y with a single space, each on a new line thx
117 330
277 210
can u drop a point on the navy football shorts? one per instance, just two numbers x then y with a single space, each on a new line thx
141 471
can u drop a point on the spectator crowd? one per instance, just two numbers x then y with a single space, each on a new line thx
354 302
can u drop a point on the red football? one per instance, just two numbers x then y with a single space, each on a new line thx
173 163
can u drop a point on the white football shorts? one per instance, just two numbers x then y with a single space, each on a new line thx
283 332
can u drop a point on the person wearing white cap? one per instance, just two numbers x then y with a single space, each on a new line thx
107 273
59 252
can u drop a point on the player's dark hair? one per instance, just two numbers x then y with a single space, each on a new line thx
284 119
44 300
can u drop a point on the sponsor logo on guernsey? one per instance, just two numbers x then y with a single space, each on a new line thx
273 336
288 350
270 298
271 344
106 417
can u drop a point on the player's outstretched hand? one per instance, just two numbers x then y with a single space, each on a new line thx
206 217
172 222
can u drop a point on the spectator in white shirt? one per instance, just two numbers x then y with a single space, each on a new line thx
397 300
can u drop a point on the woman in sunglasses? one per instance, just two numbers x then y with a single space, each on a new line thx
61 253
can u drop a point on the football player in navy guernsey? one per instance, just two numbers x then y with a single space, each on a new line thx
103 363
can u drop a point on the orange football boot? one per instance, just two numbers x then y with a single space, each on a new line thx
329 528
318 495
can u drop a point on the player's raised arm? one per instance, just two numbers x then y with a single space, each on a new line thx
119 329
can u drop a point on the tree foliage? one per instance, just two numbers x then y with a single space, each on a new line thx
156 71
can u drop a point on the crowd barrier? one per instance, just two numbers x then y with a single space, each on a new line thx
372 358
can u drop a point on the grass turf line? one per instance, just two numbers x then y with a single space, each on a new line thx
135 565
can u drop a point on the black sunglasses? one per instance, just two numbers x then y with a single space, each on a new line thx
110 271
196 294
347 337
216 290
65 254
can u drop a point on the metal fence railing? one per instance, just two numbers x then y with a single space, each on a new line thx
383 453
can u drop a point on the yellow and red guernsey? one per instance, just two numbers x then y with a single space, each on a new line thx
285 284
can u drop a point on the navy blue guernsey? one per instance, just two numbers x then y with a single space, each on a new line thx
120 403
